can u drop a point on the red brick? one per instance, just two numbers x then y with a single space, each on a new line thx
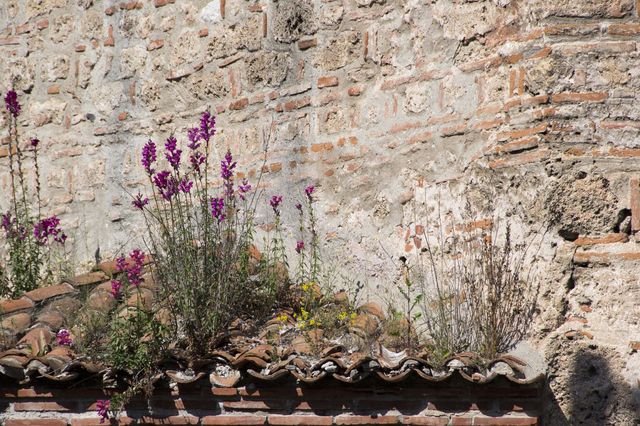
505 421
131 5
42 24
204 32
327 81
53 90
461 421
255 405
9 306
634 345
420 137
122 116
171 420
293 420
160 3
517 134
35 422
24 28
607 239
155 44
307 44
110 40
43 406
355 90
239 104
600 257
366 420
425 421
519 159
624 29
9 41
110 11
634 203
579 97
80 48
234 420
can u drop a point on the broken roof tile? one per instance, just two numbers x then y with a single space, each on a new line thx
9 306
44 293
88 279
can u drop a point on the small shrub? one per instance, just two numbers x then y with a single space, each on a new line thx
479 292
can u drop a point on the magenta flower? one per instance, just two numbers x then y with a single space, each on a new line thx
134 272
11 103
7 222
121 263
63 337
227 165
140 201
244 188
49 228
299 246
299 207
116 289
185 185
194 138
197 160
275 203
161 179
149 156
172 152
217 209
103 409
309 191
207 126
35 142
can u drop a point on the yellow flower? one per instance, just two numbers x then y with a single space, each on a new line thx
342 316
312 322
283 318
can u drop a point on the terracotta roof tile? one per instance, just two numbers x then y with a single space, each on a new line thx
43 293
17 323
88 279
9 306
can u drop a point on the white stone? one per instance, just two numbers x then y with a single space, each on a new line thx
211 12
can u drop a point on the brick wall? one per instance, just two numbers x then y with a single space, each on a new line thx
523 107
499 404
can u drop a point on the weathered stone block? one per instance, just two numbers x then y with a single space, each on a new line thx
292 19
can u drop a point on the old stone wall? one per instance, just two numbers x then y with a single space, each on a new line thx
525 108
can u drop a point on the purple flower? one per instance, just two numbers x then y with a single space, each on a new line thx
35 142
217 208
299 207
172 152
7 222
116 289
103 409
121 263
11 103
309 191
140 201
207 126
227 165
197 160
161 179
64 337
149 156
49 228
275 203
244 188
299 246
185 185
134 270
194 138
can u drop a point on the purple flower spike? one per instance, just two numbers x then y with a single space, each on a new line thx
64 337
299 246
186 185
116 289
35 142
121 263
161 179
172 152
103 409
309 191
140 201
49 228
217 209
275 203
244 188
149 156
11 103
207 126
194 138
227 166
299 207
197 160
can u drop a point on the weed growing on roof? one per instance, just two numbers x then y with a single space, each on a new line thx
30 238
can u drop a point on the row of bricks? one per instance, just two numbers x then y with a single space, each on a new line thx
280 420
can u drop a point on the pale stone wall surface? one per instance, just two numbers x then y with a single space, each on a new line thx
526 108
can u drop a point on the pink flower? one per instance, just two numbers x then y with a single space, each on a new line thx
116 289
275 203
309 191
299 246
63 337
103 409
